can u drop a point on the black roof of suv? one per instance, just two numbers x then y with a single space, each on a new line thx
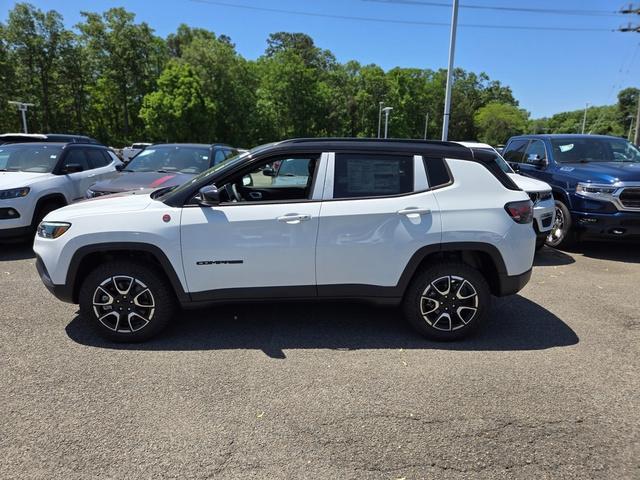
46 137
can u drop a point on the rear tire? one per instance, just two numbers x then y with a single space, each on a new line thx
126 301
561 234
447 301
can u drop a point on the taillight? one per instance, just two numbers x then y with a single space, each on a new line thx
521 212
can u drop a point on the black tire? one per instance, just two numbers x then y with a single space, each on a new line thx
150 310
41 212
422 291
561 234
540 242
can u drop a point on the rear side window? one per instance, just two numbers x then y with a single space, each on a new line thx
437 172
365 175
515 151
97 158
536 150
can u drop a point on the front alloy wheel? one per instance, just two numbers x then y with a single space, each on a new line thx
126 301
560 233
123 304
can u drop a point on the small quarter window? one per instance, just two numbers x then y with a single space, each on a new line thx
372 175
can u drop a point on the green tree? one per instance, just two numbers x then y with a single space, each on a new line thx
496 122
177 111
125 59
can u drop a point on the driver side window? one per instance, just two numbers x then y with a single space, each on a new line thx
277 179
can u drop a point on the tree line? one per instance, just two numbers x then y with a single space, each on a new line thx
112 78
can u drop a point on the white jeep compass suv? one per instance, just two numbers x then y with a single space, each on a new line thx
36 178
431 225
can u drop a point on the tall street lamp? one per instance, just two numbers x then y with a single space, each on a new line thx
380 117
386 111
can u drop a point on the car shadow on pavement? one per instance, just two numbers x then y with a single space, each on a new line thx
626 252
11 251
550 257
514 323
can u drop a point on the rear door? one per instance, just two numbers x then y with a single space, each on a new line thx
77 182
535 151
377 211
102 165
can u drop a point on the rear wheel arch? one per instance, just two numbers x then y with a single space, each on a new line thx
483 257
88 258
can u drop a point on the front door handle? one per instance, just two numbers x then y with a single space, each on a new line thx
293 218
413 212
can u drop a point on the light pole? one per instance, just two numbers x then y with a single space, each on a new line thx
22 106
386 111
584 118
426 125
380 117
447 95
636 138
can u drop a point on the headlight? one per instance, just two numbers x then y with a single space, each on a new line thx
52 229
14 193
596 191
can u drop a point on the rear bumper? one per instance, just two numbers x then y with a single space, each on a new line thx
61 292
511 284
607 225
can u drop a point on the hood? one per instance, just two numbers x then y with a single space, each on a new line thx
602 172
19 179
126 181
123 203
529 184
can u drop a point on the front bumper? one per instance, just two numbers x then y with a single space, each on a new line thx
61 292
607 225
543 215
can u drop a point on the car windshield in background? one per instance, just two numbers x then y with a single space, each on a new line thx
178 159
29 158
585 150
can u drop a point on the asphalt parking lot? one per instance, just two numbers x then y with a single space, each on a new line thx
550 388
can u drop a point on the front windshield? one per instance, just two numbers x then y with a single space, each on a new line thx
595 149
175 158
228 163
36 158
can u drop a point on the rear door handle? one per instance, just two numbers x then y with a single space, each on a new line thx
293 218
414 211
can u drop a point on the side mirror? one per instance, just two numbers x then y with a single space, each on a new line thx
269 172
72 168
534 159
208 196
120 167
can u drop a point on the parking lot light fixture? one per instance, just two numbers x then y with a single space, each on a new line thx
386 111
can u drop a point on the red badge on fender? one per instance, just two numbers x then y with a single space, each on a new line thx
166 218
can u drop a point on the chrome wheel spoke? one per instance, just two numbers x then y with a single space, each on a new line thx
116 316
434 304
440 281
443 316
469 288
472 311
123 284
105 297
149 297
131 320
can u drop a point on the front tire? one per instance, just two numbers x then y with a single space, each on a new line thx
126 301
561 235
447 301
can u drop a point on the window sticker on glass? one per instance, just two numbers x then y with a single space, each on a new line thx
566 148
53 156
373 176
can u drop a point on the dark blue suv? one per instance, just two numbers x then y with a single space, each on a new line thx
595 181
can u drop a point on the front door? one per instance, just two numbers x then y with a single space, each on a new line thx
259 242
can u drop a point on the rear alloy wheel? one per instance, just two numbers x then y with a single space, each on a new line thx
560 234
126 302
447 301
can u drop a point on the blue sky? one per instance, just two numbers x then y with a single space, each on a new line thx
549 71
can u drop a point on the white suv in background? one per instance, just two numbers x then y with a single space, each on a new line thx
539 192
36 178
429 225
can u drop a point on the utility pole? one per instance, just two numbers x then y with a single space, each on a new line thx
22 106
631 10
636 138
386 111
380 117
584 118
447 95
630 128
426 125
